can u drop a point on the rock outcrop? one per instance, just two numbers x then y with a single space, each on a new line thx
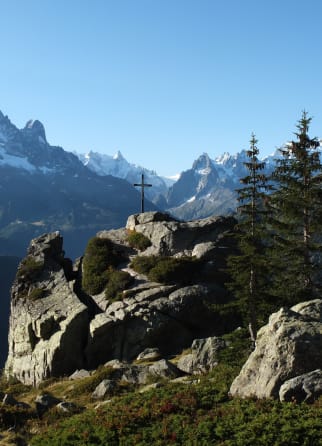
171 237
290 345
48 323
56 328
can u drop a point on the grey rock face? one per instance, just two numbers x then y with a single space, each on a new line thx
46 335
203 356
288 346
162 318
307 387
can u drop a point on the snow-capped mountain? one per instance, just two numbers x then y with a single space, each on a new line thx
119 167
209 187
44 188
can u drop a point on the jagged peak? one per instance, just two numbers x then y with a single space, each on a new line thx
118 156
203 162
222 159
36 128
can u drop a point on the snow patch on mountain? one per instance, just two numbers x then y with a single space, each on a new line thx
119 167
15 161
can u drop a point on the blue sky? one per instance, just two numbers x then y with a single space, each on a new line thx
162 80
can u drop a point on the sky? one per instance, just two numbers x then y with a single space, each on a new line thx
162 80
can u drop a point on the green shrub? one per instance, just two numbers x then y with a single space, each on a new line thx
143 264
171 270
167 270
30 268
99 255
117 282
138 241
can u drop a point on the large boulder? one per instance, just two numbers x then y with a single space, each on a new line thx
288 346
48 323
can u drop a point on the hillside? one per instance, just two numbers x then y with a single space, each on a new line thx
192 411
138 343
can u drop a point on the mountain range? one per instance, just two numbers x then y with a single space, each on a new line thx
45 188
208 188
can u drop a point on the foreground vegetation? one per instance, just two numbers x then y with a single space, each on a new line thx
201 413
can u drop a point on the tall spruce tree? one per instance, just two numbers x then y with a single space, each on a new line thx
297 224
248 270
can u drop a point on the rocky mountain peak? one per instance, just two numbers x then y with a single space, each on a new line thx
7 130
118 156
203 164
36 130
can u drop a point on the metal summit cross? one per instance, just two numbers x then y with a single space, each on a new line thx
142 185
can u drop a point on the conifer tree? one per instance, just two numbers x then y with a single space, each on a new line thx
297 224
248 269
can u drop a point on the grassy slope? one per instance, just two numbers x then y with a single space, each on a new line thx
178 414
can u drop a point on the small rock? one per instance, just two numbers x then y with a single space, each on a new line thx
45 402
149 354
185 380
204 250
79 374
102 404
203 356
306 387
135 374
114 363
106 387
186 363
150 387
67 407
164 369
9 400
